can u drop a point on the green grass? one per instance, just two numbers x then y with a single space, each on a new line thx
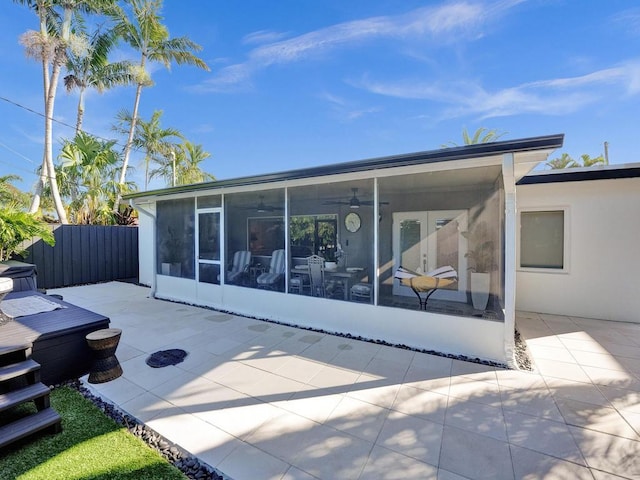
91 446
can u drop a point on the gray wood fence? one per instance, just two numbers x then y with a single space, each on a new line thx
85 254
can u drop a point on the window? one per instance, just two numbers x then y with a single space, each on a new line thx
313 234
542 239
175 238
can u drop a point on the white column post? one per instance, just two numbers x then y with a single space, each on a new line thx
510 223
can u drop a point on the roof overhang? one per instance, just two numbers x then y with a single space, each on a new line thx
527 152
581 174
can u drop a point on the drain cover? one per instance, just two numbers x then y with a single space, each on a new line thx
164 358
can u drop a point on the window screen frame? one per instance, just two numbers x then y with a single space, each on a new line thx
566 240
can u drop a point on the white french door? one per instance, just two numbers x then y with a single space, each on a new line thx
424 241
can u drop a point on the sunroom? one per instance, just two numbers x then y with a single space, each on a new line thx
322 247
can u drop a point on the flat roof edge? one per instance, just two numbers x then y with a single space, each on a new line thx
392 161
604 172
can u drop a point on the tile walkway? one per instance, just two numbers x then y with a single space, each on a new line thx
259 400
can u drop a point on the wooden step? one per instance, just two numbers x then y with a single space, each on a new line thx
37 391
47 418
14 353
16 370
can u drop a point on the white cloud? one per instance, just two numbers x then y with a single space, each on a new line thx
263 36
629 20
451 21
345 109
552 97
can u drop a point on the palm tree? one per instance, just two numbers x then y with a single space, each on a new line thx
184 165
481 135
87 173
587 161
49 45
564 161
151 137
10 196
91 68
145 32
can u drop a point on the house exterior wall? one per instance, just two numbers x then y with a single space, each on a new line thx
145 244
601 278
474 337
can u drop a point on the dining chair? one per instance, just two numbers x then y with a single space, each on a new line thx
316 275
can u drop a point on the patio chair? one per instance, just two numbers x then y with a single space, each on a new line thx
316 275
239 268
426 283
274 278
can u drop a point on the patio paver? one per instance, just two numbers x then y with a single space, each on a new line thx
261 400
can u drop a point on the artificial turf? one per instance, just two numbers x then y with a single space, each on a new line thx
91 446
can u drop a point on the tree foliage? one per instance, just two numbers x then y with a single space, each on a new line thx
566 161
481 135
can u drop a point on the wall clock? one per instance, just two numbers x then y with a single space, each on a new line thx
352 222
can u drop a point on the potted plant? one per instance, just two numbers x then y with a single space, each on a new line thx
480 254
172 253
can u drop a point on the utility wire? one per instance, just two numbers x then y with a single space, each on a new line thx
61 122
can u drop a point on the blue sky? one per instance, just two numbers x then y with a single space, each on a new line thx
298 83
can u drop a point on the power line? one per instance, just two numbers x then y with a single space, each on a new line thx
61 122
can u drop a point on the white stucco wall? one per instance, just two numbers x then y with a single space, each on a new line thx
474 337
603 275
145 245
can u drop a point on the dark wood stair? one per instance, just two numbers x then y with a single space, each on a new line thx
20 384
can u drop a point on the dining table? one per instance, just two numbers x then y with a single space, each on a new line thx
347 276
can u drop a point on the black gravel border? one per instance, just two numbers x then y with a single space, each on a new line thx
464 358
188 464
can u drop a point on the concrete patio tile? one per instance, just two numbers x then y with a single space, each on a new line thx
411 436
538 402
466 388
560 354
239 417
543 436
563 370
438 365
585 392
590 345
598 475
594 417
272 388
117 391
622 399
609 453
385 464
248 462
196 436
331 454
475 456
531 465
127 352
476 417
447 475
389 369
613 378
284 436
374 390
330 376
547 341
476 371
434 380
421 403
295 473
267 359
147 377
601 360
360 419
520 379
314 404
148 406
398 355
299 369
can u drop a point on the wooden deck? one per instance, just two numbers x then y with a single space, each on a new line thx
57 338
